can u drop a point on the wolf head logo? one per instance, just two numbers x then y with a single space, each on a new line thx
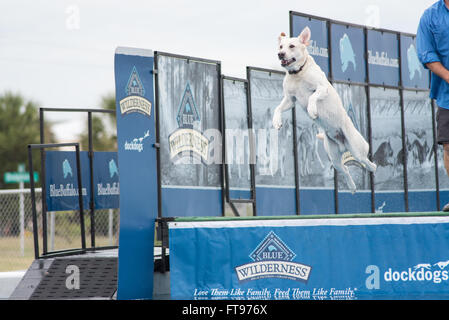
113 170
346 53
66 168
414 66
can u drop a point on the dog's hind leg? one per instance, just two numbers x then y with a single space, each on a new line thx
359 148
335 155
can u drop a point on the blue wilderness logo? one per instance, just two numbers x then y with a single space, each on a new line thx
273 259
186 141
135 100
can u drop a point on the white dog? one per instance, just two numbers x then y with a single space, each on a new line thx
306 84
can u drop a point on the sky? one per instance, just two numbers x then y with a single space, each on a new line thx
60 53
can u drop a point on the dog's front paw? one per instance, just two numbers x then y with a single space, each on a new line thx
277 120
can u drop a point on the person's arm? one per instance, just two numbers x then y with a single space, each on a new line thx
438 68
426 49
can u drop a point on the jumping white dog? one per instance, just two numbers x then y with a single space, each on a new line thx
306 84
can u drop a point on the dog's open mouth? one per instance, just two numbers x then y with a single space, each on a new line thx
285 62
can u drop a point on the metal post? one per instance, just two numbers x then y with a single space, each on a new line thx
295 141
80 197
252 148
158 139
44 190
252 141
91 169
331 80
223 140
33 204
404 146
110 226
224 147
52 230
22 219
435 154
368 111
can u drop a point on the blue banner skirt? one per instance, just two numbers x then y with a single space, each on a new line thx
344 257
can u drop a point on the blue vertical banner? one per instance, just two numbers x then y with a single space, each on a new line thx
383 58
106 180
413 73
136 136
348 53
318 48
61 180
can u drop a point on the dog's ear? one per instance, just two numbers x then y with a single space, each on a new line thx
281 36
305 35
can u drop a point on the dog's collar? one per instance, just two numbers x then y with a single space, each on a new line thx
297 71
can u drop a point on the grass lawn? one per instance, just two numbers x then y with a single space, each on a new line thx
11 258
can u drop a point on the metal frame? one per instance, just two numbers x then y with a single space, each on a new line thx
33 201
252 200
400 88
157 119
89 112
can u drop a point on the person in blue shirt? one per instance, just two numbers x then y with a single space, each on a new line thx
432 43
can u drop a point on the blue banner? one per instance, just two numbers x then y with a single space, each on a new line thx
61 180
318 48
383 58
348 53
310 258
62 183
106 180
413 73
136 138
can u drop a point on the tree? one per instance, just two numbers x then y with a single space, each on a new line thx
104 136
19 126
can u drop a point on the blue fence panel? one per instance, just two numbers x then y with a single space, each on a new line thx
383 58
318 48
274 148
61 180
348 53
190 137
